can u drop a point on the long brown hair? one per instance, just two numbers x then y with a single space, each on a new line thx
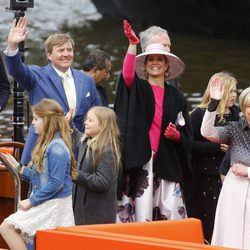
108 135
53 119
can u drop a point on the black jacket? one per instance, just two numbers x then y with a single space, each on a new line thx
135 111
103 96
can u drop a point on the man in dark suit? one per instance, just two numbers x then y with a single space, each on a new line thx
69 87
4 86
98 65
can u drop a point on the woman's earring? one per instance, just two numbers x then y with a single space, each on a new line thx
166 74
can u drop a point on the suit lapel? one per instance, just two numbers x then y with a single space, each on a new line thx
78 86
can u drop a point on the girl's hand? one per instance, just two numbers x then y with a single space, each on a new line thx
2 167
240 170
69 116
224 148
11 159
130 34
216 88
24 205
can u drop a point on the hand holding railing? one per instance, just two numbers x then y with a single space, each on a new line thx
13 171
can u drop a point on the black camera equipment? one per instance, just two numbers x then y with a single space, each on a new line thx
21 5
4 85
18 7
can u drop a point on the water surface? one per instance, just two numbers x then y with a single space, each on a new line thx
203 56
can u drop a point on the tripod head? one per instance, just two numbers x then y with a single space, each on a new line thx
20 5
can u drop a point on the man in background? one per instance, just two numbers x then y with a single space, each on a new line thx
98 65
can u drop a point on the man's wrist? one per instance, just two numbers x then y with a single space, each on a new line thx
9 52
12 47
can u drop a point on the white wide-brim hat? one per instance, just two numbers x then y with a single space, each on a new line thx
176 65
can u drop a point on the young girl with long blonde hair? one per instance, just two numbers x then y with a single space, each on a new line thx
207 156
98 163
50 175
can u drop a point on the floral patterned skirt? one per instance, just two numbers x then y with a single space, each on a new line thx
146 197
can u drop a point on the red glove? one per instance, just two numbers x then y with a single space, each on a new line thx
130 34
172 133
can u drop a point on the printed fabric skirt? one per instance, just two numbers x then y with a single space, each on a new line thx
50 214
147 197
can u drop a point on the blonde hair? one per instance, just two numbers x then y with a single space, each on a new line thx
57 39
244 99
108 136
54 121
229 82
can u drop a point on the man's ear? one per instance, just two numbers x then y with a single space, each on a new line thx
49 56
94 70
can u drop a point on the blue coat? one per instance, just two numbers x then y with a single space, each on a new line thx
55 179
44 82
